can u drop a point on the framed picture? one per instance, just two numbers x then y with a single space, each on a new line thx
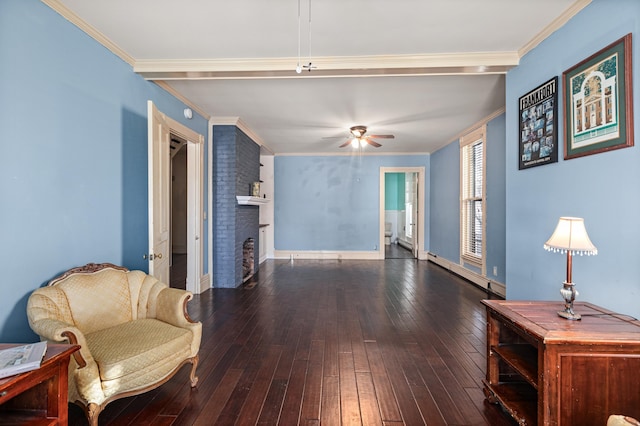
539 126
598 105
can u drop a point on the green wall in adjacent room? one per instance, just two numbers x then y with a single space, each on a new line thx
394 191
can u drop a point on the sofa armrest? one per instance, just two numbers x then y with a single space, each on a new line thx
61 332
171 307
87 376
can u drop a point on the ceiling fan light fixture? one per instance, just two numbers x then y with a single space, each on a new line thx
358 140
358 131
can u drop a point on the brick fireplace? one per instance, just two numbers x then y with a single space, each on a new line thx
236 165
248 259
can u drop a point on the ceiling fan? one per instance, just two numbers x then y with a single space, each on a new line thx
358 138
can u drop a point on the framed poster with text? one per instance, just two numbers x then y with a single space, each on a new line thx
538 139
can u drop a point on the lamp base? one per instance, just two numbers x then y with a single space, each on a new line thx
569 293
570 315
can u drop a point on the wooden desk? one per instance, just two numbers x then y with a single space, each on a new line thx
38 397
547 370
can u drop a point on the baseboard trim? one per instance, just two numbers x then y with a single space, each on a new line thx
473 277
205 283
327 255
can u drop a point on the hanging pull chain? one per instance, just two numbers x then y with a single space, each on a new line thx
298 67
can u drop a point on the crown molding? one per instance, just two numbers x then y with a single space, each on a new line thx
237 121
389 65
350 153
182 98
335 66
91 31
474 126
557 23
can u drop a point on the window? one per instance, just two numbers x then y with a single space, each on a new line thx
472 190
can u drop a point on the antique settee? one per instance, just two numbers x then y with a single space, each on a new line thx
134 332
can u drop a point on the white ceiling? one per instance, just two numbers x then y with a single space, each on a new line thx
423 70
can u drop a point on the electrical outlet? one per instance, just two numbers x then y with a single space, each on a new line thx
495 271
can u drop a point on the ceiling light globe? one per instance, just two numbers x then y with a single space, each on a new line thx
354 142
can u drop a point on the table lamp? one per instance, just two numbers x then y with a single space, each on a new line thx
570 237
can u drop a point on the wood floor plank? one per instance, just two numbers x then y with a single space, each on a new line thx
260 385
292 405
408 408
349 403
217 401
330 414
384 391
330 342
369 408
312 397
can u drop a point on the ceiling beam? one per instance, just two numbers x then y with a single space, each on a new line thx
345 66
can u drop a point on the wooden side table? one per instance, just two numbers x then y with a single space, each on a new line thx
547 370
38 397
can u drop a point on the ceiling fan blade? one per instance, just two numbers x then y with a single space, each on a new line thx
345 144
373 143
381 136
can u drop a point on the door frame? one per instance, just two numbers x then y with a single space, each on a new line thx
420 205
195 202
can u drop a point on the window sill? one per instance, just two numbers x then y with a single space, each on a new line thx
472 260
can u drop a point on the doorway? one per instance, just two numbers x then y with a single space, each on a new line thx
178 137
401 217
178 213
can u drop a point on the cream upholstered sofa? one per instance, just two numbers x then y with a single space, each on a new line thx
620 420
134 332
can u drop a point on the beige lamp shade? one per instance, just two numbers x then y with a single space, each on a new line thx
571 236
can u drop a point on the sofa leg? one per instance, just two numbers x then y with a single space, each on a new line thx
194 365
93 411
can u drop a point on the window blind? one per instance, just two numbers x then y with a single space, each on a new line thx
472 197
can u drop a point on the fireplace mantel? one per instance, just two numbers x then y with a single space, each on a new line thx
251 201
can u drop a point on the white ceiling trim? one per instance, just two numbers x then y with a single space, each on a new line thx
237 121
181 97
553 26
447 63
474 126
351 153
70 16
152 66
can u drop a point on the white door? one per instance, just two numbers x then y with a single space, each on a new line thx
414 214
159 187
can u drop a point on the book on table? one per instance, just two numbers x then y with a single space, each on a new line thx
22 358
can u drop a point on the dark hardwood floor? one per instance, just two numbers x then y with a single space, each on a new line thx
394 342
396 251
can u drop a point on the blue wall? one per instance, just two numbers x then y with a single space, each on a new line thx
445 201
333 202
73 169
601 188
496 198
